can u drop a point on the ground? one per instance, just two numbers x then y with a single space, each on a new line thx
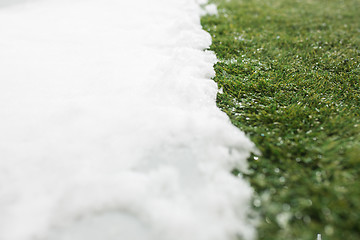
288 72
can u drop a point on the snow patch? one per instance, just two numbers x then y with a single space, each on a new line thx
109 127
211 9
207 8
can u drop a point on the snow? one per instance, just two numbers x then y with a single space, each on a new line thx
109 127
210 9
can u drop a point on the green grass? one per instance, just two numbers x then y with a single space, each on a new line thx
290 71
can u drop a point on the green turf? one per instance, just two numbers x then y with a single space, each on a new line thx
289 71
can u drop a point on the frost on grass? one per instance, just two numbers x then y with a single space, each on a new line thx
109 127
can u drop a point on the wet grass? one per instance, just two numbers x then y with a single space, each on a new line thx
289 72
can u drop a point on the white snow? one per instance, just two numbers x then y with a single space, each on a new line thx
109 127
210 9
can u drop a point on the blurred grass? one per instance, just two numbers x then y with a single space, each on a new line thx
290 71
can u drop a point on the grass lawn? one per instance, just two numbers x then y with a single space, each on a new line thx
289 71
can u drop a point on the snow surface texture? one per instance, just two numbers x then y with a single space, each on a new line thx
109 128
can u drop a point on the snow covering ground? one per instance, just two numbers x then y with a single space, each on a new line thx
109 128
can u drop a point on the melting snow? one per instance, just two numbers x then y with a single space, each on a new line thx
109 127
